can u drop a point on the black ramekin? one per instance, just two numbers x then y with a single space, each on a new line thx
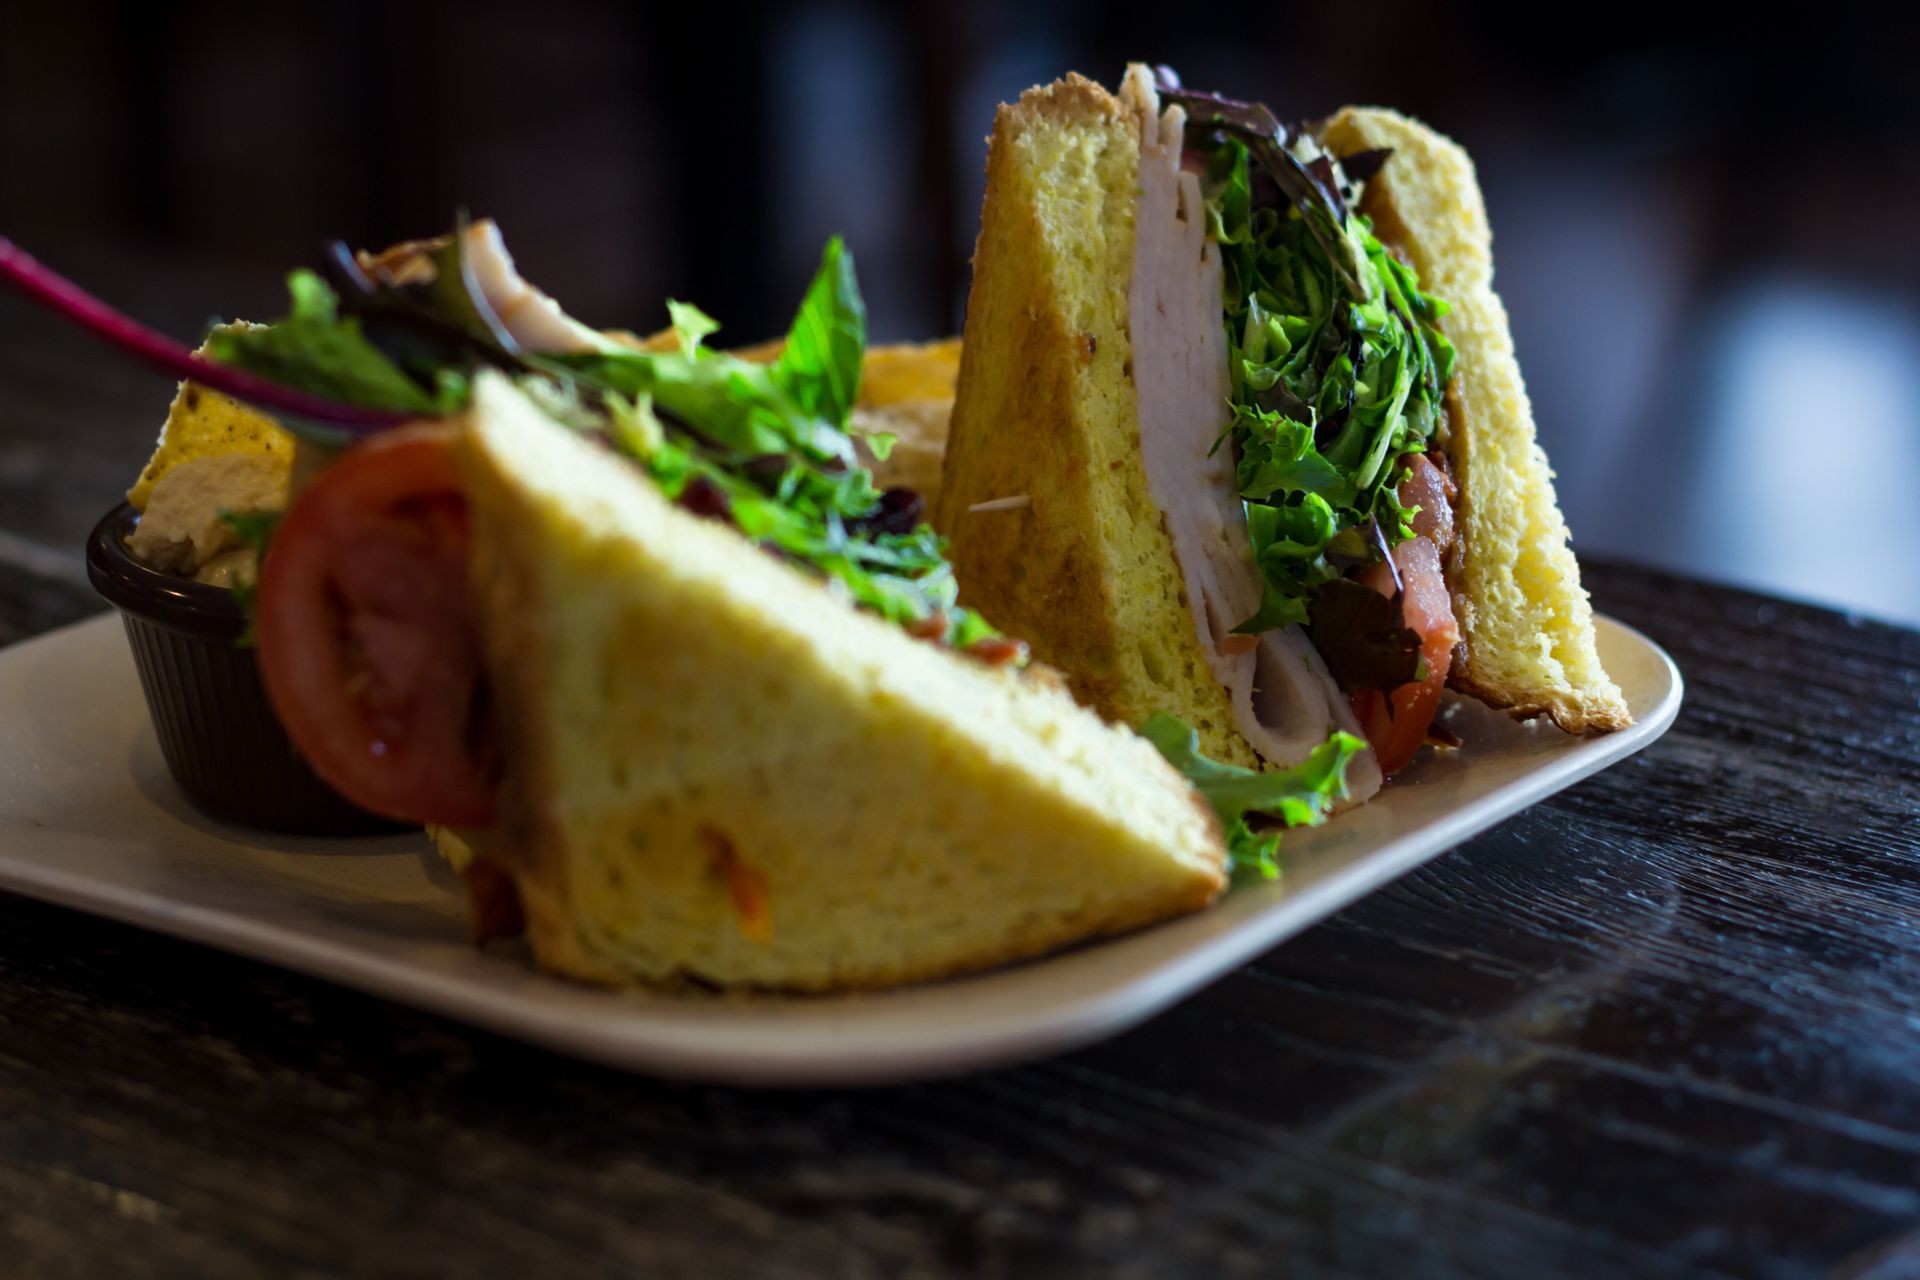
217 730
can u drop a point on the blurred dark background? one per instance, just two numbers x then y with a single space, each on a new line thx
1705 221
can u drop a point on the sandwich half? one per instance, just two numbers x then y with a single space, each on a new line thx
1239 434
714 769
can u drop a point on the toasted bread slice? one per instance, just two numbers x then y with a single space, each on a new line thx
715 769
1067 550
1524 617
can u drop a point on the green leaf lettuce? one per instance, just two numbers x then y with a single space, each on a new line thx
766 444
1298 797
316 349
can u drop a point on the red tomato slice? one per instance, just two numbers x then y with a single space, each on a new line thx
1427 608
368 643
1432 491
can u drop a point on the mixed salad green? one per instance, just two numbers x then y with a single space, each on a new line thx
1298 797
765 447
1339 367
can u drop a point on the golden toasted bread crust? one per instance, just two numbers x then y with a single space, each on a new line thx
510 583
1045 413
1526 622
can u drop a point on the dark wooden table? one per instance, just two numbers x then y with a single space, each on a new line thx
1665 1024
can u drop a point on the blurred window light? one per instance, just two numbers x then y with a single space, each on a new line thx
1810 447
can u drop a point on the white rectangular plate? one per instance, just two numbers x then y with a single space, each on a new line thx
89 818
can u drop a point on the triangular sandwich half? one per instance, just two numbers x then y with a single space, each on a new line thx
1135 478
714 769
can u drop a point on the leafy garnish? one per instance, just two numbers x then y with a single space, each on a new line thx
820 364
1298 797
1338 365
1308 186
316 349
1360 634
255 529
41 283
1360 166
763 446
771 443
691 325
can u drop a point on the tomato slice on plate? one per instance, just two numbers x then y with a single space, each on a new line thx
368 642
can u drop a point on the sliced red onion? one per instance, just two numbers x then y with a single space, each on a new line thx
49 287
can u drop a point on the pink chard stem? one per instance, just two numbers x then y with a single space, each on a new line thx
53 290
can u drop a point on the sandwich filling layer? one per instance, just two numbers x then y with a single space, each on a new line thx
1336 381
1283 699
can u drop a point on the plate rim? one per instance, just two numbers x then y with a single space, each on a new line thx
636 1043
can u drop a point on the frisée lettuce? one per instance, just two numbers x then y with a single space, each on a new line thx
1338 365
1298 797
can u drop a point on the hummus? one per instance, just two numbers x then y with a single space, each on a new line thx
181 530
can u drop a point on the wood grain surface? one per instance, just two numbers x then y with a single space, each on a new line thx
1666 1024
